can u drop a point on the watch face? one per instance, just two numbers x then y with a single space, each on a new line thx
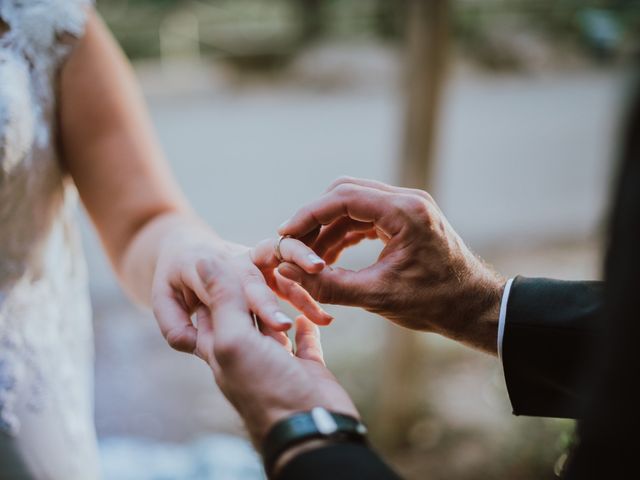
324 421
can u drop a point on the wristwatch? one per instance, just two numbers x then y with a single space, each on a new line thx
317 423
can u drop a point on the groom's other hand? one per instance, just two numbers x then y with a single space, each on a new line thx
260 374
425 277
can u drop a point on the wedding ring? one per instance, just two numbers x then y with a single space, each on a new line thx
278 252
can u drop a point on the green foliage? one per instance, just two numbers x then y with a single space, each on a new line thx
136 23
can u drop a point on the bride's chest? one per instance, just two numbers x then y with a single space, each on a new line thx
19 111
33 44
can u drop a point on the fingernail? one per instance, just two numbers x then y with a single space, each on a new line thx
315 259
284 224
283 319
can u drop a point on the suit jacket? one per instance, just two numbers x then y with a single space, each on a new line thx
570 349
552 330
338 462
608 436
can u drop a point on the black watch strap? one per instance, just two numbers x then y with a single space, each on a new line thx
314 424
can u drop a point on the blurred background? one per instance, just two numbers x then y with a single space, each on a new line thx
508 111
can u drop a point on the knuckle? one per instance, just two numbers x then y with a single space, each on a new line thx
305 212
342 179
422 194
428 197
223 292
227 349
257 253
415 208
344 190
209 272
252 280
323 292
179 339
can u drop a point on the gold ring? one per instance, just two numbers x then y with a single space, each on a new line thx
278 252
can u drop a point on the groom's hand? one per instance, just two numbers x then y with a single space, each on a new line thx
178 291
425 277
261 377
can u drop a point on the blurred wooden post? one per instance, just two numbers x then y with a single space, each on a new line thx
426 61
179 36
401 400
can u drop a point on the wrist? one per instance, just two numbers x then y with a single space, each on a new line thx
478 323
486 334
136 263
183 230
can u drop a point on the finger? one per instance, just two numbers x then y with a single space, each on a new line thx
363 182
424 195
246 289
270 277
174 320
205 339
338 286
224 295
308 346
362 204
291 250
300 299
191 300
335 232
263 303
297 297
279 337
294 251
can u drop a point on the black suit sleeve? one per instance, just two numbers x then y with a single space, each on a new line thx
551 333
343 461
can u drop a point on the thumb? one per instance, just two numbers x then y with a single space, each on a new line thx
308 346
336 286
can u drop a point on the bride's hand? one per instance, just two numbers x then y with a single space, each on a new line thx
179 287
265 257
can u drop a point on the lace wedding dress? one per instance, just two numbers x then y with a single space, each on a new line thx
46 357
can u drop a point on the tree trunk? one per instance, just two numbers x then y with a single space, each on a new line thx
426 61
401 399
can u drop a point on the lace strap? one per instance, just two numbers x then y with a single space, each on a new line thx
36 28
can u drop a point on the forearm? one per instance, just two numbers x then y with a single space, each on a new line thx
110 150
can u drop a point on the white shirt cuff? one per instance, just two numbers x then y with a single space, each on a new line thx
503 315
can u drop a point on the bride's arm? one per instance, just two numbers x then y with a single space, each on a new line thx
156 243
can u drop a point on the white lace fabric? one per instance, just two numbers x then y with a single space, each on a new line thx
46 346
